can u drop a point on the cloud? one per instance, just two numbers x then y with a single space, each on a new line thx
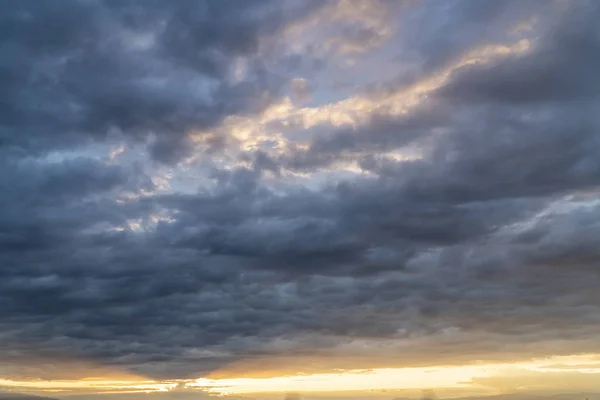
127 67
558 68
167 211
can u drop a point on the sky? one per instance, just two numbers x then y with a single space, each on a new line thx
294 198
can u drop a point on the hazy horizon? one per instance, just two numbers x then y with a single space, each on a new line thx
424 394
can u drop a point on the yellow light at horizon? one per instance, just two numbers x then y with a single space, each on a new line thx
460 377
442 377
356 380
97 385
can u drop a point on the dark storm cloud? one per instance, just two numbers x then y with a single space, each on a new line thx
560 66
75 70
452 243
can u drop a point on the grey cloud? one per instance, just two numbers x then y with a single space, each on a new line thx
559 66
447 252
433 36
380 133
127 66
300 90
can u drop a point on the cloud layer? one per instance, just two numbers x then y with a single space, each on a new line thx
190 186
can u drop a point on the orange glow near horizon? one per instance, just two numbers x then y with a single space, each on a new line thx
435 377
89 385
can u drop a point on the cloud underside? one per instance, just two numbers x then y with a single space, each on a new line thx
194 186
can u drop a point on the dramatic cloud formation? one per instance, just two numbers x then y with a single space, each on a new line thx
193 187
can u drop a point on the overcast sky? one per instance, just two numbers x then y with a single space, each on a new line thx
226 189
